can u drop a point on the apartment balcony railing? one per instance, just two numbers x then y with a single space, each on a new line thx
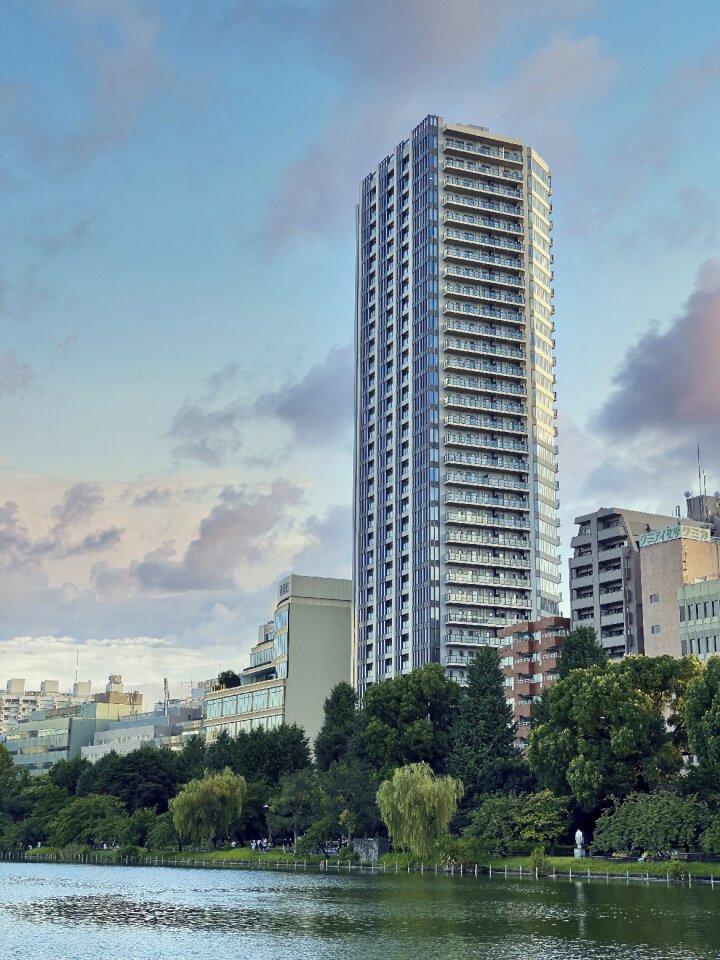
482 310
472 383
490 276
466 183
480 203
499 540
489 481
483 460
482 293
482 239
467 477
474 220
483 329
471 519
484 559
474 599
482 256
494 462
465 576
452 163
483 347
469 146
494 443
492 366
498 423
508 406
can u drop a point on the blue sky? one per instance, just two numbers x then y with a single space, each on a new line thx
177 188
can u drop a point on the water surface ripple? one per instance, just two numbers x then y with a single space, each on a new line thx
67 912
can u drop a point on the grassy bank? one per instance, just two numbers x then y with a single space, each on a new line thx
389 863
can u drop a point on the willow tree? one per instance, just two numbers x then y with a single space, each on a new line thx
417 807
204 809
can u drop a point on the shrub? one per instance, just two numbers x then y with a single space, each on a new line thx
539 862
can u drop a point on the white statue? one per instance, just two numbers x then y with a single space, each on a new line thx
579 839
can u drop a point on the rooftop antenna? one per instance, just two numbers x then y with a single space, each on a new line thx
699 474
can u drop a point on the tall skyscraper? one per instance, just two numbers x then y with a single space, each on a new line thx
455 519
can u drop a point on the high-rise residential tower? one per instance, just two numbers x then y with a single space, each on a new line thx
455 514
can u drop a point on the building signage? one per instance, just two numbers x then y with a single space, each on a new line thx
284 588
680 532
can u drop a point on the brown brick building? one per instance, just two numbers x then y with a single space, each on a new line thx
529 656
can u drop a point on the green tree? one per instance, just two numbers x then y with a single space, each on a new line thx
228 679
220 754
163 835
507 823
147 777
93 819
332 742
140 825
666 680
601 736
192 759
408 719
654 823
484 731
262 755
297 804
204 809
710 839
32 810
349 806
12 780
581 649
417 807
67 773
702 714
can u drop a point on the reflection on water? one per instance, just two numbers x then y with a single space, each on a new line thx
75 912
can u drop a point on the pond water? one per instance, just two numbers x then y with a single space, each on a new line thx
66 912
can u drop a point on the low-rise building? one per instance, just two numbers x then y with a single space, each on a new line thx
699 619
299 657
529 655
671 558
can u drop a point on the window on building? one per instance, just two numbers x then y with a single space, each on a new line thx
654 597
655 628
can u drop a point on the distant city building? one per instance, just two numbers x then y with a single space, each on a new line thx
529 654
699 618
299 657
60 733
670 559
455 491
17 703
156 729
705 509
605 578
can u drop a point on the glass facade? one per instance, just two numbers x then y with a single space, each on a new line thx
455 459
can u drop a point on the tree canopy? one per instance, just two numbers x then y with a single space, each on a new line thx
483 732
702 713
417 807
652 823
580 650
228 679
408 720
340 720
203 809
601 736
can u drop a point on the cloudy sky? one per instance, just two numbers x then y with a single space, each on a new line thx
177 188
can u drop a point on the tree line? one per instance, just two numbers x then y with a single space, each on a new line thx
629 751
